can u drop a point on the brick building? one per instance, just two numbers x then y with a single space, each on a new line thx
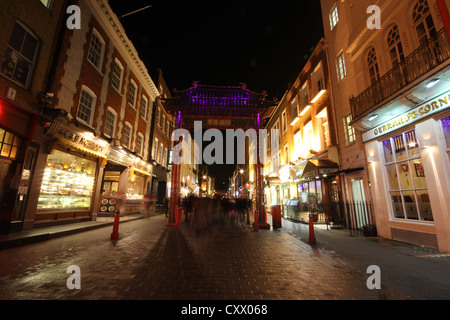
29 39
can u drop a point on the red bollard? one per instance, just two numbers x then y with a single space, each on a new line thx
115 233
179 217
312 236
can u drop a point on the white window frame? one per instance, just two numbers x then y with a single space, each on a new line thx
158 116
414 189
31 62
113 124
160 153
102 51
341 68
144 108
92 107
334 16
132 97
140 144
349 130
155 149
284 121
115 78
130 137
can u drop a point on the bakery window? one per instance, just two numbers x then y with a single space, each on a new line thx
68 183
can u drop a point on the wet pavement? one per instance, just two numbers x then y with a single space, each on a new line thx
154 262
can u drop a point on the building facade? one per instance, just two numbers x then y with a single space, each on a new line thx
393 82
28 46
93 134
302 149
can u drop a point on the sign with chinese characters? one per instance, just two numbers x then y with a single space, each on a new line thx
431 107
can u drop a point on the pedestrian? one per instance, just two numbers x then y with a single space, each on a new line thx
166 206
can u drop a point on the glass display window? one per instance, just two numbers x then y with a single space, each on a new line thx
68 183
136 186
406 178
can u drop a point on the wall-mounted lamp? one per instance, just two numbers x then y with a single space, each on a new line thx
426 143
371 159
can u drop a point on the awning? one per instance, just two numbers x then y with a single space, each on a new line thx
316 167
82 149
273 180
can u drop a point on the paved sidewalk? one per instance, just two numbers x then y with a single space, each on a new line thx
46 233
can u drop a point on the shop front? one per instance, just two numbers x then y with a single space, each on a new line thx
125 184
316 181
68 192
409 169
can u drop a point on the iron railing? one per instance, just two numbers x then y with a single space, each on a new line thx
424 59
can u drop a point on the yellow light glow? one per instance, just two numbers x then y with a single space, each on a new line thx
295 121
319 95
305 111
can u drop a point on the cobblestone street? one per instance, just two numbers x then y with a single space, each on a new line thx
154 262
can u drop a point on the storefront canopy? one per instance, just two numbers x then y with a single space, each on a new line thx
315 167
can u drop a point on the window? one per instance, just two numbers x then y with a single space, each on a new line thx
110 123
286 154
294 109
86 106
117 75
350 135
297 145
334 16
155 149
47 3
163 123
323 127
395 46
406 178
132 96
340 67
140 144
284 121
68 183
165 158
9 144
127 135
96 50
158 116
372 65
161 153
143 111
423 22
20 56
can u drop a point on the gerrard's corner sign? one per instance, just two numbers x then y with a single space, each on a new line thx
431 107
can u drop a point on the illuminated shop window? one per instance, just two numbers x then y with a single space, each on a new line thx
406 178
68 183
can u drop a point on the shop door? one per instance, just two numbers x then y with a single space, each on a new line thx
25 183
7 195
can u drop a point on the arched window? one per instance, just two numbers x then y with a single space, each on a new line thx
423 22
395 46
372 65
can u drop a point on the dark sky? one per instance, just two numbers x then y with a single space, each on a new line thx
262 43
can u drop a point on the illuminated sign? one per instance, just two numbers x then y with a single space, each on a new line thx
431 107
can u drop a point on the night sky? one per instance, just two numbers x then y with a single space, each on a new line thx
262 43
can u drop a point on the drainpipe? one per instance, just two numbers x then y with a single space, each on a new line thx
443 9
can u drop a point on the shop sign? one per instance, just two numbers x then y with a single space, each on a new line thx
143 167
120 158
83 142
429 108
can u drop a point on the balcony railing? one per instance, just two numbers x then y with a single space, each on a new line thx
423 60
